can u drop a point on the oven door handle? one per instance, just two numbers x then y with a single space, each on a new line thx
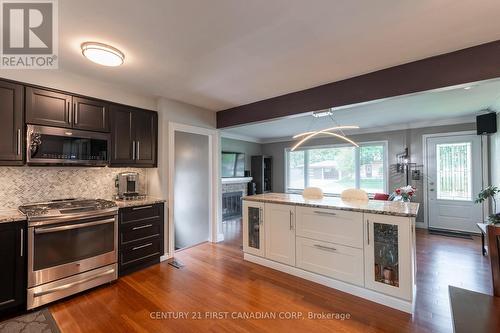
69 285
72 226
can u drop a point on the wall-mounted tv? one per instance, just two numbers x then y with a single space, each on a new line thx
233 165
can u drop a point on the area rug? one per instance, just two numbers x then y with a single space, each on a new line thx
450 234
40 321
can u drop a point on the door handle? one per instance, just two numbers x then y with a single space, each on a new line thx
138 150
142 207
431 190
22 243
368 231
18 141
70 114
72 226
319 212
142 246
75 113
322 247
133 150
142 227
291 220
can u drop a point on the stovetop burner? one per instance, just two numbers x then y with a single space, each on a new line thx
65 207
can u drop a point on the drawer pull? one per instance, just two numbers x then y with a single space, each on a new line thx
319 212
142 246
142 227
326 248
142 207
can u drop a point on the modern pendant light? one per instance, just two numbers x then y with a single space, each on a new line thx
102 54
327 131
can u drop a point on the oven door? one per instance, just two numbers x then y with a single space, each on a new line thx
60 250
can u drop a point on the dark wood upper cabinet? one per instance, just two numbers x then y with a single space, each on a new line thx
13 263
11 124
91 115
134 137
44 107
146 125
122 137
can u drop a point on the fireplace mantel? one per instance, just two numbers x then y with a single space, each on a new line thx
236 180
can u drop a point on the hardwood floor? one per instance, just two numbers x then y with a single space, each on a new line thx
216 279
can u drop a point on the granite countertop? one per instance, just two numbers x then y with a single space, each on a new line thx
11 215
406 209
148 200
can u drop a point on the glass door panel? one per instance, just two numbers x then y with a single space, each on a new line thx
385 245
254 227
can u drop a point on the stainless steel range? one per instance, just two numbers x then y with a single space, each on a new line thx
72 246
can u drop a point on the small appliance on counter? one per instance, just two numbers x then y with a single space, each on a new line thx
128 186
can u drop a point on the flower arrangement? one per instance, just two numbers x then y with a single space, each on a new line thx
490 192
403 193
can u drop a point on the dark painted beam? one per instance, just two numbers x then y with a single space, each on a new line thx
476 63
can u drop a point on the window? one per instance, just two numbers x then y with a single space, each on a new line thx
454 174
339 167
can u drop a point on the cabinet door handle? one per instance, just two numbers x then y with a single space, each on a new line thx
133 150
75 113
324 213
142 246
22 242
326 248
291 220
18 141
138 150
141 207
142 227
70 114
368 231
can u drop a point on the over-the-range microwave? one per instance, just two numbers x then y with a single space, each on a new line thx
62 146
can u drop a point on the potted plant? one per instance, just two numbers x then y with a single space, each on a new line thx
490 192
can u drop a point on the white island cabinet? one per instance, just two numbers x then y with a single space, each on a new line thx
363 248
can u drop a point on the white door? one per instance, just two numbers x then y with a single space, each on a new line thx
454 178
280 233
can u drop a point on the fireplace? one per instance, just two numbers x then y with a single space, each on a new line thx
231 205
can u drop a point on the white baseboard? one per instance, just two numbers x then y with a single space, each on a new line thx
165 257
392 302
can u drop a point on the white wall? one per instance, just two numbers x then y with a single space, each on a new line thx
59 79
495 159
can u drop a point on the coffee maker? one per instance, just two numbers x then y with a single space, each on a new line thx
128 185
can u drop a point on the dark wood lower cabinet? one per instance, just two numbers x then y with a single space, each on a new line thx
140 237
12 267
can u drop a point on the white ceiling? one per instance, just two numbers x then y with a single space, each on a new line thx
218 54
444 106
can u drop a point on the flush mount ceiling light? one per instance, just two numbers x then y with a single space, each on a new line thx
330 131
102 54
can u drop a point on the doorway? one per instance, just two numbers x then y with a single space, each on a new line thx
193 186
454 166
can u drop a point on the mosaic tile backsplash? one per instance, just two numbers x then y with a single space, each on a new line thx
20 185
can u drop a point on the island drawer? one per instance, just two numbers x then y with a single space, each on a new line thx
329 225
333 260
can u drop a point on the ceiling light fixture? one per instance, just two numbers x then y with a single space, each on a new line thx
102 54
327 131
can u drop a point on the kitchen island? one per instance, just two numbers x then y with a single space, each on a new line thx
365 248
